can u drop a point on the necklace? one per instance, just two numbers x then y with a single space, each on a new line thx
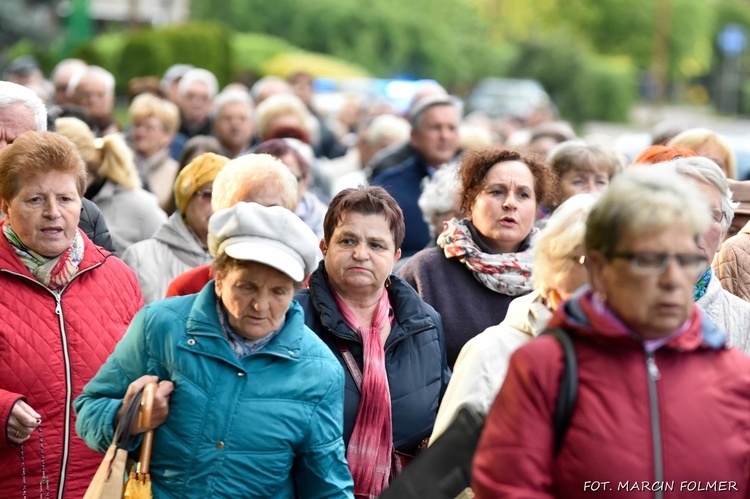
44 483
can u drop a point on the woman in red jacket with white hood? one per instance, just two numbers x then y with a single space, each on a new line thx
64 304
663 405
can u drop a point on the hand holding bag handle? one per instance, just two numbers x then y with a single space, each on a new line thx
108 482
144 420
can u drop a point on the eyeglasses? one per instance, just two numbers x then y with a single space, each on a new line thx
655 263
204 195
718 215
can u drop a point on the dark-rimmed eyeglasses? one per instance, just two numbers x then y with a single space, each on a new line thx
652 263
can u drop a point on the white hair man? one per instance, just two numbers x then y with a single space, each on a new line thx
233 121
21 110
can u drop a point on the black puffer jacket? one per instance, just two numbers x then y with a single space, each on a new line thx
414 357
92 223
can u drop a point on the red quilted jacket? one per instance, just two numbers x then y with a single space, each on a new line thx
47 358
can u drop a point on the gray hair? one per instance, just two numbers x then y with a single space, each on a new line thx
580 155
250 172
173 72
387 128
640 201
96 72
563 233
229 96
705 170
439 195
13 93
257 89
416 113
198 74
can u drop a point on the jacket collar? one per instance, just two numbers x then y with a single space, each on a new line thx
405 302
93 256
579 316
203 322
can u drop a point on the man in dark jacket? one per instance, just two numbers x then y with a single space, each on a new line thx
434 142
22 111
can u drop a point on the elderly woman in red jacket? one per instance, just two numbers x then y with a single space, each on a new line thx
64 304
663 403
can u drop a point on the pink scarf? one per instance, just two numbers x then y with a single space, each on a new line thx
370 447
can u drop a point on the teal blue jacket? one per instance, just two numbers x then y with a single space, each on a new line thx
269 425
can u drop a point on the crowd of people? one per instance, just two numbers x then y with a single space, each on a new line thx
318 296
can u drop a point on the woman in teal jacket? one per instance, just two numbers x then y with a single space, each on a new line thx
257 400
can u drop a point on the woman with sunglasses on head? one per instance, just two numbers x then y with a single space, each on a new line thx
180 244
661 398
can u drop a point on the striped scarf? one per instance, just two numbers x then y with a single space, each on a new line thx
504 273
55 273
370 447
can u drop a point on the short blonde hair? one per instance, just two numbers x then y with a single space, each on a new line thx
696 137
38 153
146 105
279 105
643 201
250 172
555 247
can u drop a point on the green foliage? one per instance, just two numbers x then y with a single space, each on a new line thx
584 86
251 50
441 39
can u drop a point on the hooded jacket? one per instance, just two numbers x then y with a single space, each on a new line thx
132 214
414 357
171 251
643 420
51 345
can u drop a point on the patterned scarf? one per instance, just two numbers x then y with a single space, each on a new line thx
55 273
702 285
505 273
369 452
242 346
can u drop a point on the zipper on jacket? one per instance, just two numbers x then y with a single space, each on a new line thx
653 377
68 370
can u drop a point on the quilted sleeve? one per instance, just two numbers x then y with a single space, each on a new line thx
7 401
726 265
102 396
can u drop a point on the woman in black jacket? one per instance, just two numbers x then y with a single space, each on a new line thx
390 341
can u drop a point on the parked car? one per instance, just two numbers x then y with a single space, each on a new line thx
501 97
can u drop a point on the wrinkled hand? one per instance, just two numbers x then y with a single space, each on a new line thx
22 421
161 402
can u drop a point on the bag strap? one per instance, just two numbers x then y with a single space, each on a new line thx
123 432
351 364
566 400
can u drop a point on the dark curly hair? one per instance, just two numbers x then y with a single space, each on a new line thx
478 162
